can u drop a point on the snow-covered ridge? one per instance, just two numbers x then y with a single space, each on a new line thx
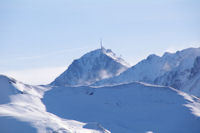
25 112
116 108
126 108
7 89
186 75
109 53
159 69
91 67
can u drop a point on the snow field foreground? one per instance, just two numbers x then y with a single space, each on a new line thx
128 108
25 110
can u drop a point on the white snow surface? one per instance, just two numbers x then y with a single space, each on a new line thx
187 80
128 108
99 93
167 70
26 112
91 67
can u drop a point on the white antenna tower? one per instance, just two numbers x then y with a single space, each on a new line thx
101 43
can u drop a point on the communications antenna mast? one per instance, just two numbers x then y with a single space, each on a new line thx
101 43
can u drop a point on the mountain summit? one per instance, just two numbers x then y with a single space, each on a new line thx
93 66
177 70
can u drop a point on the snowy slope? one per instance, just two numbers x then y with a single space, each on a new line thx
192 85
7 89
25 112
187 80
165 70
12 125
128 108
91 67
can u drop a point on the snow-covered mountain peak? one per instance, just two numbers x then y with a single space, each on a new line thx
167 54
151 69
189 51
152 57
98 52
91 67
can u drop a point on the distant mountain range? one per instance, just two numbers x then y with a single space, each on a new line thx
101 67
102 93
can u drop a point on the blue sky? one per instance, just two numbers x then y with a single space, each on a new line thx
40 38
